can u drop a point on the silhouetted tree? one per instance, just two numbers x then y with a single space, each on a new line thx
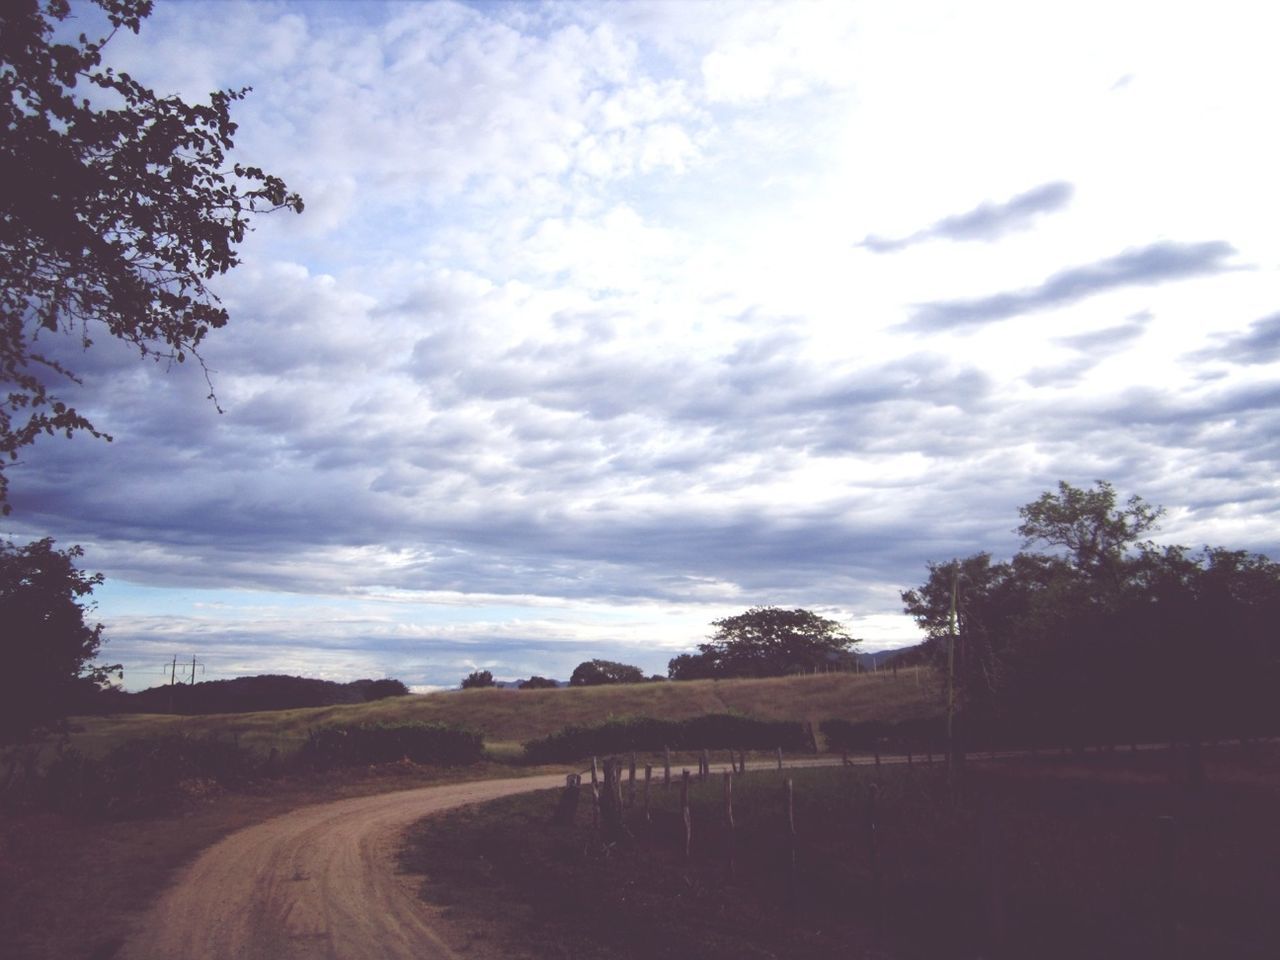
118 207
1110 632
47 647
766 642
477 678
538 683
595 672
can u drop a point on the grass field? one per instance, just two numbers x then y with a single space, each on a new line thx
507 718
1070 864
71 888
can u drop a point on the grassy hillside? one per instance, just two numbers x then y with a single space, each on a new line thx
513 716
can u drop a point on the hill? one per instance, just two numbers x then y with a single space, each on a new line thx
252 694
508 717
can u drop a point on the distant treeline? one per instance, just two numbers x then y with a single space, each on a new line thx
249 694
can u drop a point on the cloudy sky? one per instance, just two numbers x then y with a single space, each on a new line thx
607 320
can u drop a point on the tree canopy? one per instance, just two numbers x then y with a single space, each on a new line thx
47 646
537 683
595 672
1109 629
476 679
766 642
119 207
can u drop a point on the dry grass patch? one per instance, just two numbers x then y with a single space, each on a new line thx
507 717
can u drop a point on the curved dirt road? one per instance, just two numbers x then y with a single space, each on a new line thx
317 882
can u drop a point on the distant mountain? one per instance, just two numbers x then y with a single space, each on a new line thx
249 694
903 656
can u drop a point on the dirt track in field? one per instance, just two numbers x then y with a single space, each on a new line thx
319 882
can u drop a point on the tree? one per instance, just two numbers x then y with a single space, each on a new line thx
477 679
1111 633
48 648
1088 524
118 208
766 642
596 672
538 683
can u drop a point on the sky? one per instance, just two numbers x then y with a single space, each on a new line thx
608 320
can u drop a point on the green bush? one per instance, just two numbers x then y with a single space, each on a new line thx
142 776
435 743
627 734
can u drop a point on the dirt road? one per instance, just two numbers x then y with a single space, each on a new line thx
319 882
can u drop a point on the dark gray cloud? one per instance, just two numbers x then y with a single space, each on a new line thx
1259 344
1109 340
986 222
1095 346
1158 263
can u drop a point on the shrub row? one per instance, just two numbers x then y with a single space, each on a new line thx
158 774
917 735
136 778
435 743
623 735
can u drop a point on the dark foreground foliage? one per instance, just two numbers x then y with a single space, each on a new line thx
138 778
1074 854
711 731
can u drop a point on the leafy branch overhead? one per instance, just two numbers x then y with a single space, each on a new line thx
118 208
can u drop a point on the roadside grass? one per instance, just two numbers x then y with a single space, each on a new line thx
507 717
1075 861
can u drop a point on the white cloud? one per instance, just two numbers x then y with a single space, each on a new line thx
576 324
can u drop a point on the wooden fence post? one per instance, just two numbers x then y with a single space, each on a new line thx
779 758
704 768
992 880
648 775
728 817
1166 915
666 768
631 782
568 806
742 761
595 796
611 802
790 827
685 815
873 858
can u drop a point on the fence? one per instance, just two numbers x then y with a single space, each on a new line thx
779 823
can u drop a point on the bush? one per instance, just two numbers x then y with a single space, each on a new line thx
434 743
144 776
624 735
854 735
538 683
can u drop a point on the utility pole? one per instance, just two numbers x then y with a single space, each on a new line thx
173 670
951 682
